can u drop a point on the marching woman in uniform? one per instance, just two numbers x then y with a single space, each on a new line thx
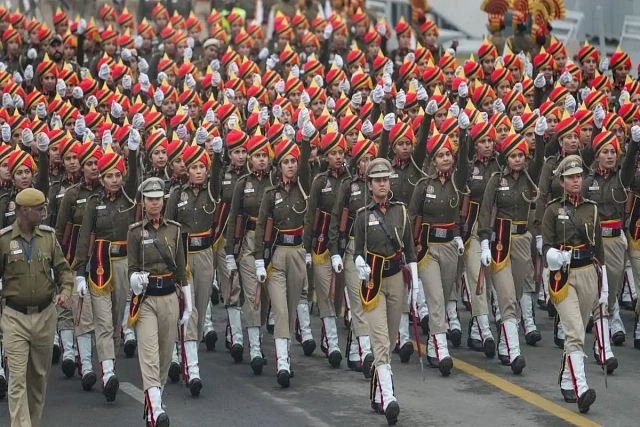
434 207
322 198
383 252
68 223
158 276
101 255
503 214
606 185
245 208
573 248
350 198
279 253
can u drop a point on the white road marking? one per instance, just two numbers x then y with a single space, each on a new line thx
133 391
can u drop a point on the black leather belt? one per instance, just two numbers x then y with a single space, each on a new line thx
611 232
251 224
118 251
518 229
160 286
199 243
440 235
288 240
581 257
391 267
32 309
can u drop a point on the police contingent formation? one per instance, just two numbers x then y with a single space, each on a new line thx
156 163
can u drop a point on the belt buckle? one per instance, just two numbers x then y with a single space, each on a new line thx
196 241
32 310
159 281
441 233
387 265
288 239
115 249
575 254
607 232
514 228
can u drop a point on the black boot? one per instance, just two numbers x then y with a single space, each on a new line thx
210 340
195 385
569 396
308 347
489 348
215 296
366 365
533 337
589 327
236 353
618 338
174 372
424 324
518 365
551 310
163 420
455 336
88 381
69 367
335 358
406 351
392 412
445 366
586 400
57 352
111 388
130 348
3 388
256 364
283 378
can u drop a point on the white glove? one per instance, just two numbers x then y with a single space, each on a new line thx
302 117
6 131
91 101
463 120
387 83
411 57
232 69
318 79
143 79
161 47
125 55
336 263
622 99
188 305
401 100
277 111
388 68
215 65
77 93
42 140
295 71
264 52
28 72
540 81
584 92
518 87
623 239
289 132
210 116
251 103
367 128
463 90
190 42
162 76
126 82
158 97
7 101
364 271
27 137
389 121
271 62
201 137
539 244
432 107
516 121
454 110
107 139
344 86
261 273
17 78
279 87
89 136
485 253
377 94
528 69
604 291
116 110
328 30
570 104
498 106
134 139
137 281
304 98
231 263
104 72
32 54
308 129
635 133
188 53
356 100
138 121
137 41
233 119
331 104
557 259
598 116
485 116
80 126
230 94
604 64
143 65
307 260
566 78
181 131
460 244
541 126
81 286
56 121
263 116
380 28
216 144
82 26
422 92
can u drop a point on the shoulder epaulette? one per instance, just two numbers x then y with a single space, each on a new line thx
134 225
46 228
495 173
271 188
396 202
557 199
590 201
361 209
6 230
170 221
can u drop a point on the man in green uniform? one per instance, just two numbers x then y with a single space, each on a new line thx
29 254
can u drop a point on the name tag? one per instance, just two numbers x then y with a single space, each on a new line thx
326 190
477 177
147 241
374 222
82 201
503 188
278 201
563 217
181 204
249 190
101 207
166 196
18 252
356 193
594 188
10 213
393 175
431 196
59 195
226 182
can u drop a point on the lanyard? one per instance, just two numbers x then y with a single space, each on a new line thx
27 252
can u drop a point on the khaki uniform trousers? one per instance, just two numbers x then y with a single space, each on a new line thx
108 311
85 326
156 326
509 282
252 315
307 292
577 306
65 317
223 279
28 345
438 280
322 279
201 266
384 319
614 251
288 277
479 305
358 321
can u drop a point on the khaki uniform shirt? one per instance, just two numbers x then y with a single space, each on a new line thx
351 194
